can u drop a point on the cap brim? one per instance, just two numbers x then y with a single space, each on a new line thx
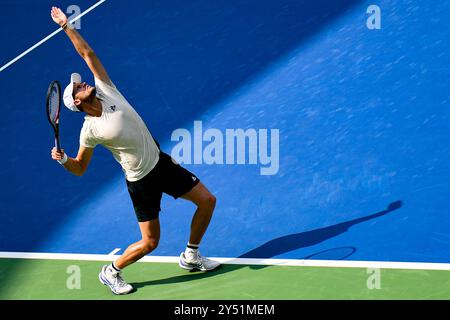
68 92
75 77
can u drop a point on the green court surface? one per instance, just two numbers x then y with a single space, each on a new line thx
74 280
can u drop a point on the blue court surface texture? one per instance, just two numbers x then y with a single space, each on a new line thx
362 114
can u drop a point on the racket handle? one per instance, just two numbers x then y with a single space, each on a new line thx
57 145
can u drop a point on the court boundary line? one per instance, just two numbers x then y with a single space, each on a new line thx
238 261
51 35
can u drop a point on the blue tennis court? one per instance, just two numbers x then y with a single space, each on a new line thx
346 128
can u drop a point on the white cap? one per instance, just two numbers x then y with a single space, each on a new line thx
68 92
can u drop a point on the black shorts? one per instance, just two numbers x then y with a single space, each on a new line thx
168 177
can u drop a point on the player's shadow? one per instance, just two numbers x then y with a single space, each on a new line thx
282 245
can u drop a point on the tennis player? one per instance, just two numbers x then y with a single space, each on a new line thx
112 122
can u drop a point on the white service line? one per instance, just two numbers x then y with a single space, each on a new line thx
242 261
49 36
114 252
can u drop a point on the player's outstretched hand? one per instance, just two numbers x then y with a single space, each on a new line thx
58 16
57 155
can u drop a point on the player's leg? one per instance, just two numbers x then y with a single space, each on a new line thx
180 183
205 202
111 274
150 231
146 198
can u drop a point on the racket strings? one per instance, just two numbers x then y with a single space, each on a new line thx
54 104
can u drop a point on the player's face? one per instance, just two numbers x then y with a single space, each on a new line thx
83 92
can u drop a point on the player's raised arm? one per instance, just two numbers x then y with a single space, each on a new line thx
80 45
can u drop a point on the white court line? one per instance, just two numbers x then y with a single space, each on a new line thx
48 37
246 261
114 252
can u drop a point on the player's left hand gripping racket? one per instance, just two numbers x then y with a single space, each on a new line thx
53 108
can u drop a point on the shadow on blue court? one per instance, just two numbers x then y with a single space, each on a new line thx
340 253
299 240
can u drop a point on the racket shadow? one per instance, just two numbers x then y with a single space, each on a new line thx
279 246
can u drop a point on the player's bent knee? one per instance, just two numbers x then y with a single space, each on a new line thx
212 200
149 245
208 201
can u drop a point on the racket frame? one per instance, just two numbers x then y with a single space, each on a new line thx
55 124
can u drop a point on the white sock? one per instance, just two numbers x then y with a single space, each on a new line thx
113 268
191 247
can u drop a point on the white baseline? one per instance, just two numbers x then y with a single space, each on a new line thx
243 261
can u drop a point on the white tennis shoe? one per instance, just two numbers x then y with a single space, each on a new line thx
192 260
111 278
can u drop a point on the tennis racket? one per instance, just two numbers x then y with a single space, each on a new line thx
53 106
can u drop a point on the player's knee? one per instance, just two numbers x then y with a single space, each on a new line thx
212 200
208 201
149 245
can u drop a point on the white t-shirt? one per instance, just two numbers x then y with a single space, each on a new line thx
122 131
